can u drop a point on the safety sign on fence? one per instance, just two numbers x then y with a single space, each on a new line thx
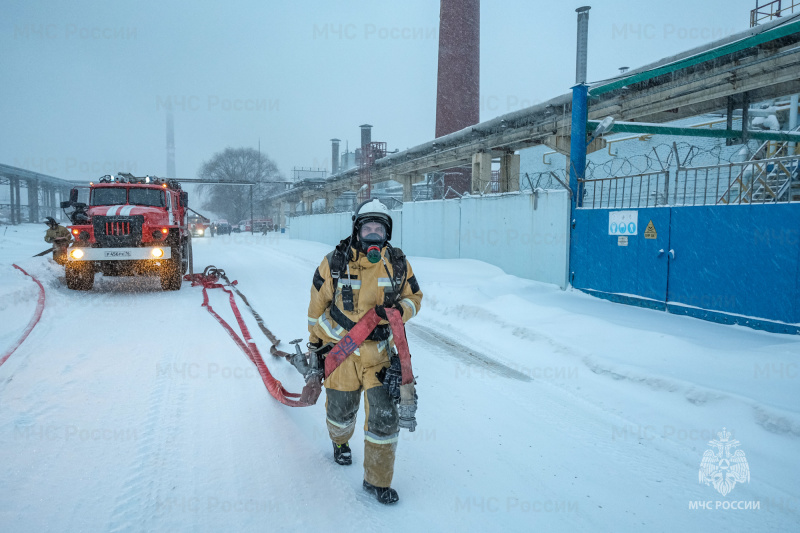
650 231
623 223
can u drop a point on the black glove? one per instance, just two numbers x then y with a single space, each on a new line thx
318 348
380 310
391 378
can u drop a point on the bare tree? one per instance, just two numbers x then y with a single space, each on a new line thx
237 165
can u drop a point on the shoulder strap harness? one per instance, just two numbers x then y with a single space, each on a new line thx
337 262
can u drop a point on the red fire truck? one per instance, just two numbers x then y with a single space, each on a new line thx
130 226
198 225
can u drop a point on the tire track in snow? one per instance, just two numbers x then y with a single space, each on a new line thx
452 348
145 491
777 420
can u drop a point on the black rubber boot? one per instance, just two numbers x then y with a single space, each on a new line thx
385 495
341 454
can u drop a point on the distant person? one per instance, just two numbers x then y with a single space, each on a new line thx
60 238
362 273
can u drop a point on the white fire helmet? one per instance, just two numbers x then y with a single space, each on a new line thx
372 210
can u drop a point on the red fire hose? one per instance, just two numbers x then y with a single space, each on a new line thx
247 344
32 324
209 279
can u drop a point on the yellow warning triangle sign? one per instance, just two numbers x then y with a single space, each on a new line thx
650 231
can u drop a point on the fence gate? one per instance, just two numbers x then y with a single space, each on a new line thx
722 243
622 255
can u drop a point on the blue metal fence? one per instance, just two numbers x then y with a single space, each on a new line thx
736 264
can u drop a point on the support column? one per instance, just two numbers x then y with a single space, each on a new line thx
509 172
19 200
47 203
408 192
745 117
33 201
407 180
13 217
63 196
281 214
44 208
481 171
330 201
793 120
308 203
729 119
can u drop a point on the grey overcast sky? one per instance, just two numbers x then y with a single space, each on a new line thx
84 83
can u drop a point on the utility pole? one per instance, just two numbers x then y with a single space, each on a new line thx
580 112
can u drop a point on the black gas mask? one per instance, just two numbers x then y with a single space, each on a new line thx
372 238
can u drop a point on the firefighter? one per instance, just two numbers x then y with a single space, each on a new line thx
60 238
364 272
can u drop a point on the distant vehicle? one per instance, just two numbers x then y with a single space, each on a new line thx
130 226
222 227
198 225
257 225
262 225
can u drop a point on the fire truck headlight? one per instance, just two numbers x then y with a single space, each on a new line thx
201 231
76 253
157 252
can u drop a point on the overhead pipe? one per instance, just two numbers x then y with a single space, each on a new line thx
513 119
793 120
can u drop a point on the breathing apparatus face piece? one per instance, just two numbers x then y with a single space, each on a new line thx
372 238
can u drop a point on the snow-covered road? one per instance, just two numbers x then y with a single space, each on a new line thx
130 409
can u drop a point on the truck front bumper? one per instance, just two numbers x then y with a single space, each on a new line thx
154 253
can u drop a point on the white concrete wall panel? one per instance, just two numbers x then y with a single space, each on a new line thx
398 221
550 238
523 235
496 228
432 228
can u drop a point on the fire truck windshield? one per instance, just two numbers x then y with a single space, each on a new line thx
108 196
148 197
117 196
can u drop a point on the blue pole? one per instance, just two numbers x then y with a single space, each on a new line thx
577 161
577 145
